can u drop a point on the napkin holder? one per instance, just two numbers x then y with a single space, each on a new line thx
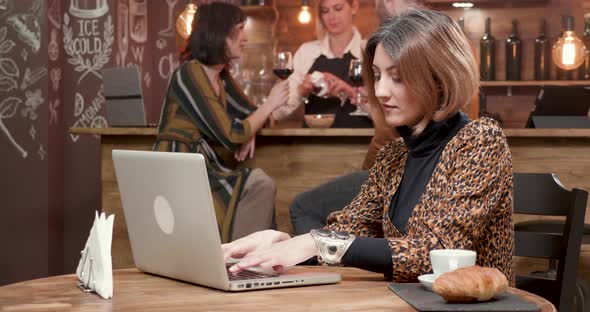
94 269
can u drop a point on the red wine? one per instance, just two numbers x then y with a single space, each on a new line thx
357 80
584 71
487 54
542 54
513 54
283 73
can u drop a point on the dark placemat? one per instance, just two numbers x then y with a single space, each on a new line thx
423 299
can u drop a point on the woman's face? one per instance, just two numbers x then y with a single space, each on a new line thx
236 41
399 106
337 15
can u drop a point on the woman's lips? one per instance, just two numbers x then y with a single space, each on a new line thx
388 107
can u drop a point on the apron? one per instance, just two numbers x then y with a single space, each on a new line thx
317 105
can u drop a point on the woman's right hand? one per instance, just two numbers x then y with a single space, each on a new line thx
306 86
278 94
253 242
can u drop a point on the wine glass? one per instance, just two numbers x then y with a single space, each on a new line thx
355 74
283 64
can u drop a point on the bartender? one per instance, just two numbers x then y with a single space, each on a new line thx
320 76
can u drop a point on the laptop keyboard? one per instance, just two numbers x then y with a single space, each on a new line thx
247 274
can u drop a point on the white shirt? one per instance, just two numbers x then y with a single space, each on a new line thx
304 58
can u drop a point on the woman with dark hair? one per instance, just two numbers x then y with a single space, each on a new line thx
206 112
445 184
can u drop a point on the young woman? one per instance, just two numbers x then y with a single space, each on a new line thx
309 210
206 112
446 184
331 55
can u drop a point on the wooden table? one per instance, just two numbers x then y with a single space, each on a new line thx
135 291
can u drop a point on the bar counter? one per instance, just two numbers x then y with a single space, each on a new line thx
301 158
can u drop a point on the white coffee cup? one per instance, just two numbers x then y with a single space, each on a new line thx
446 260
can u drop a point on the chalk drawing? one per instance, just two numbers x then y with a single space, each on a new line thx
41 152
88 9
122 32
55 76
24 54
54 13
78 104
33 101
9 72
88 115
148 79
167 65
88 56
32 132
53 48
32 76
53 116
6 7
161 43
169 31
28 29
138 20
137 52
8 108
99 122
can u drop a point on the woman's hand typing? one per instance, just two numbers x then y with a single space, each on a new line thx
278 256
251 243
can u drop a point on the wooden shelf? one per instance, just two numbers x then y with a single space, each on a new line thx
249 9
534 83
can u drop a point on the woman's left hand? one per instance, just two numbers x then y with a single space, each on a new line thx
246 150
338 87
279 256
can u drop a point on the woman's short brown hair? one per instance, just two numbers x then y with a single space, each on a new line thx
433 58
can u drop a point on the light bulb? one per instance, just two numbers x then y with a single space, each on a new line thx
184 24
568 51
304 16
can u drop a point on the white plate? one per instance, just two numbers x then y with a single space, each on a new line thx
427 280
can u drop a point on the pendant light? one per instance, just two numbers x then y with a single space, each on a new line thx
304 16
184 22
568 51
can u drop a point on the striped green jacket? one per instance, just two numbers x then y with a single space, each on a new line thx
194 119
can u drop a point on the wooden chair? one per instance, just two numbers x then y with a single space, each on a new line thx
543 194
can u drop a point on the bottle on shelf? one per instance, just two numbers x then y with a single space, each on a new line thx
513 54
487 54
562 74
542 54
461 23
584 70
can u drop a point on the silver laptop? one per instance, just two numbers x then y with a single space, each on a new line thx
172 225
124 101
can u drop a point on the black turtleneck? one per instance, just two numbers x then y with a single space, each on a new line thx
423 154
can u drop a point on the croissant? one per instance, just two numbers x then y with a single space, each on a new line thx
470 284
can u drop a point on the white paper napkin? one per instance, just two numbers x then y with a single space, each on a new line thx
95 269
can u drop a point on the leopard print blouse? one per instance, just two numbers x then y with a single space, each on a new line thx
467 203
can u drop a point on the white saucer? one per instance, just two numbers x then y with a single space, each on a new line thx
427 280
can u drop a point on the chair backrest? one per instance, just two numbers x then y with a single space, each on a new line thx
544 194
